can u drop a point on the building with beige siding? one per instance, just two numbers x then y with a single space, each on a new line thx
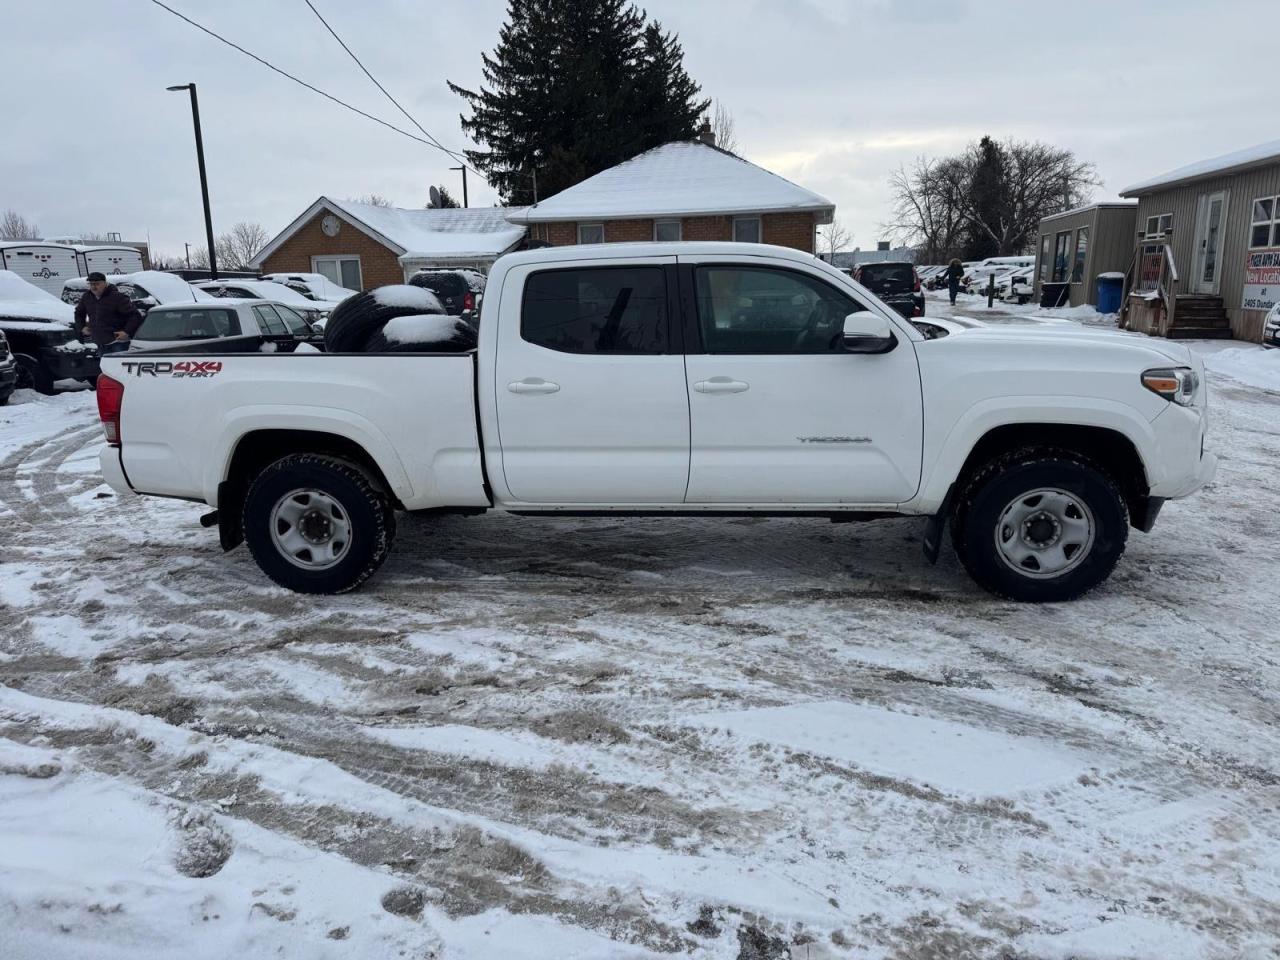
1077 245
1206 252
687 190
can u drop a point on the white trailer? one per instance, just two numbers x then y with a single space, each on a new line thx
108 259
45 265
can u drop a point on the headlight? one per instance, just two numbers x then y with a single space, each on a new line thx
1173 383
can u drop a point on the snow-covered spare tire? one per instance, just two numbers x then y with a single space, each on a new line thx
360 324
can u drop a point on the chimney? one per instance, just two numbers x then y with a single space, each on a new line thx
882 245
706 134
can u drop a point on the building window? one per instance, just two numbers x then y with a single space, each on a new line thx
591 233
666 231
1046 250
1265 228
344 271
1082 250
1159 225
1061 256
746 230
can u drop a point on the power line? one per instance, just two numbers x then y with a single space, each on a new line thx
313 89
387 93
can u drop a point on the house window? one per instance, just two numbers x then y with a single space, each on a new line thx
1265 228
1159 225
1061 256
591 233
1082 250
746 230
344 271
1046 250
666 231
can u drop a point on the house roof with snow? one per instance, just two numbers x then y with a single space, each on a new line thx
468 233
682 179
1257 156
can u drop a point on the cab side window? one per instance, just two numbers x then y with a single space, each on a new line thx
764 310
593 310
270 321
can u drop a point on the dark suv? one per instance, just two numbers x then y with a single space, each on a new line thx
46 351
459 291
8 371
895 283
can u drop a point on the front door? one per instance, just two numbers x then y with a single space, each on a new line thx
779 412
591 398
1211 214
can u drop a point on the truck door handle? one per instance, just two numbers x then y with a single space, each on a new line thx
532 385
721 385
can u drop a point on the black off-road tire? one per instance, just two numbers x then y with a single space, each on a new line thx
372 520
358 317
460 340
981 501
32 374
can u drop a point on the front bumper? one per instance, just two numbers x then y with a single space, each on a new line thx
70 364
1182 465
113 470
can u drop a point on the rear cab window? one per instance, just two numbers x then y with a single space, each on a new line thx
597 310
890 277
180 324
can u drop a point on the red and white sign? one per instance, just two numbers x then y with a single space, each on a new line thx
1261 279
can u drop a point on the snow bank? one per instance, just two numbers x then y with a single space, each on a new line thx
420 328
405 295
1256 366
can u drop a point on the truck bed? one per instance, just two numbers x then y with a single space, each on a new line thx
415 414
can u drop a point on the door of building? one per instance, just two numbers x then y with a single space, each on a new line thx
1211 215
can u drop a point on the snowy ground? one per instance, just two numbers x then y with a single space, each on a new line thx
591 738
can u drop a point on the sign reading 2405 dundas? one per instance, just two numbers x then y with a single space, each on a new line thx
1261 279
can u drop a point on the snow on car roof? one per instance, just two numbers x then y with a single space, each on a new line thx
21 299
265 289
1249 156
165 287
453 232
318 283
676 179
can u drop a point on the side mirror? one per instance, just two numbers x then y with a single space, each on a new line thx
868 332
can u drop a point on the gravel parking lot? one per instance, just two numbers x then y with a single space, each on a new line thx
737 738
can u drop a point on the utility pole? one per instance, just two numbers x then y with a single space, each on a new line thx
204 181
463 168
188 249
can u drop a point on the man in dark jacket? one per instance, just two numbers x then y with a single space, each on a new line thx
106 315
955 273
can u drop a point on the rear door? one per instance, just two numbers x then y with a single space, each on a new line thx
590 385
779 412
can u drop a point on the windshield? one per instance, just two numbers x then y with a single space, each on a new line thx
188 325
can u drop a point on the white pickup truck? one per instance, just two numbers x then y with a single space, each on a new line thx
690 378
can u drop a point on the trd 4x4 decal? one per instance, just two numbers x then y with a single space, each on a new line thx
164 368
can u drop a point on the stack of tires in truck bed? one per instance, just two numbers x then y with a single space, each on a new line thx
396 319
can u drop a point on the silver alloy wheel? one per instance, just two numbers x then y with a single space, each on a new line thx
1045 533
311 529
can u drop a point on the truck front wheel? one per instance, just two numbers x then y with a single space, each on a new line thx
316 524
1040 525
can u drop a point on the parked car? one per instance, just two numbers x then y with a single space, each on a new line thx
41 339
776 386
894 282
1271 328
1016 287
313 286
8 371
313 311
146 288
247 325
459 291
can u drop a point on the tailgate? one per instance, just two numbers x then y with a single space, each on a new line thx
413 414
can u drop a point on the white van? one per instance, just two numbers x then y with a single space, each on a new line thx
108 259
45 265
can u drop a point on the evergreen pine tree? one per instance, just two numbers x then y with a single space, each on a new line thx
572 88
987 196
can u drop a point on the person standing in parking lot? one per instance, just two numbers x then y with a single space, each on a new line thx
107 316
955 273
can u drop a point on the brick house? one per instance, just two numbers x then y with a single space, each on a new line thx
687 190
359 246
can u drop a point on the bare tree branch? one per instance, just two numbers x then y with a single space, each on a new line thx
14 226
722 126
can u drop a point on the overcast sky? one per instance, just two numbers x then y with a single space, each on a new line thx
833 95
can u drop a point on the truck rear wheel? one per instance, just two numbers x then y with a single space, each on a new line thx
316 524
1040 525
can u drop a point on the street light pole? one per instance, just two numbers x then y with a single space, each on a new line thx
187 247
464 183
204 181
